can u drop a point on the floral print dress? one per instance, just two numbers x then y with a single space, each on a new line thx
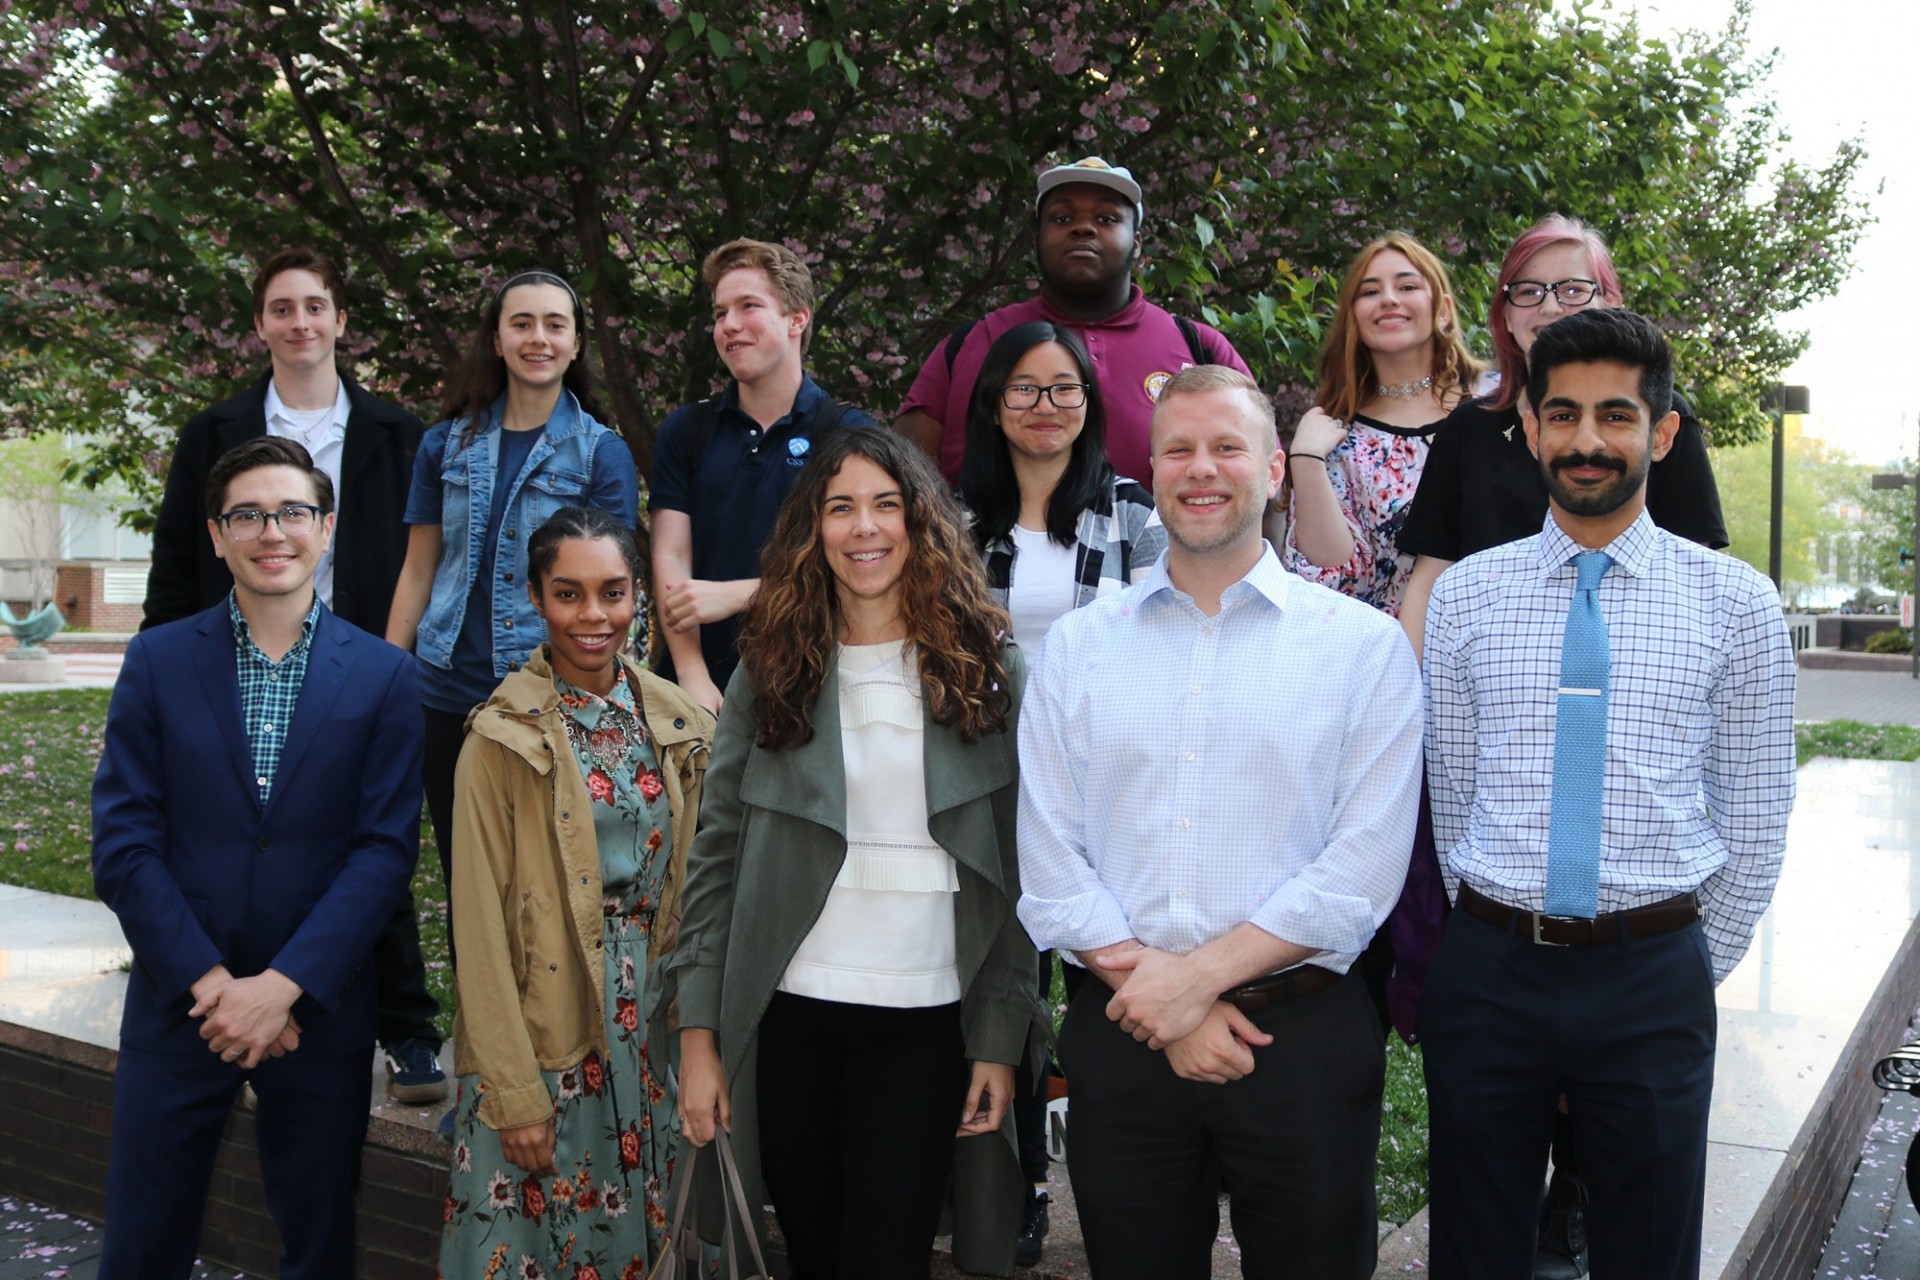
602 1216
1374 471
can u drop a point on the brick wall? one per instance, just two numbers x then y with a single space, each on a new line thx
80 589
55 1118
1790 1229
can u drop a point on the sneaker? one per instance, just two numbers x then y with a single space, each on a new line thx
413 1072
1562 1252
1026 1250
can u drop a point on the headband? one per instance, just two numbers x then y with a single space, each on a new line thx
537 276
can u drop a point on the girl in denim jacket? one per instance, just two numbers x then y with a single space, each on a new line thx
521 438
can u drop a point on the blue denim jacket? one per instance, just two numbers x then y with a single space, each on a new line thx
559 473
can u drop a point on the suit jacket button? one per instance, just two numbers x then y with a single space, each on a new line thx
261 843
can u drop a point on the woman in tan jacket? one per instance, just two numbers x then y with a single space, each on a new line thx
575 801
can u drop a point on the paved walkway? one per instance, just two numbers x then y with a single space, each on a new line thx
1872 697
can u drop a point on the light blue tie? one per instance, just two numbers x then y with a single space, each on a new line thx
1579 749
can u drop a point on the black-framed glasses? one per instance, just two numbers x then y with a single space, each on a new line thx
245 524
1569 293
1024 395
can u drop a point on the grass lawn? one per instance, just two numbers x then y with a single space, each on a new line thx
1852 740
50 743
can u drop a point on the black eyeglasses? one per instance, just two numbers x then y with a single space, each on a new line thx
1024 395
246 524
1569 293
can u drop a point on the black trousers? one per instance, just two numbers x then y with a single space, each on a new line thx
1292 1144
858 1108
1030 1094
445 732
407 1008
1626 1030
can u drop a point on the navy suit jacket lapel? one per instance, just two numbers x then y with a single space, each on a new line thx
219 672
327 666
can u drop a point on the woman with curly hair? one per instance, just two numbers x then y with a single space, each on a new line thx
851 979
1393 368
577 791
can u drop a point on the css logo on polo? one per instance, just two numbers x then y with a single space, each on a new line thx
797 451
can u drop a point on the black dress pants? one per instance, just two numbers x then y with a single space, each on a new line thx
858 1107
1292 1144
1626 1030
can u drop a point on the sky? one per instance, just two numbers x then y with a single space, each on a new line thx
1845 70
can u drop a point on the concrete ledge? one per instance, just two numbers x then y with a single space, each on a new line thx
1852 660
76 642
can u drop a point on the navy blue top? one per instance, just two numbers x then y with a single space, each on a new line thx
744 475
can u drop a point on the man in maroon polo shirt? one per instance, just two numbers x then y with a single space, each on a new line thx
1087 239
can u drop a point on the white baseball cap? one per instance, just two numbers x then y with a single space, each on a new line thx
1097 172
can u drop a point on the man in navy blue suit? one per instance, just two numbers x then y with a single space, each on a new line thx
255 822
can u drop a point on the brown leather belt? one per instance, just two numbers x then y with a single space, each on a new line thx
1279 988
1667 916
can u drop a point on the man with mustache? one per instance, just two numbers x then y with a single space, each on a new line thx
1610 755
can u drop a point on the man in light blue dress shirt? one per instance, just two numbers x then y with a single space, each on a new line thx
1600 896
1219 780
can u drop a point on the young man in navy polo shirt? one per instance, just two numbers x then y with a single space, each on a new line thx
722 466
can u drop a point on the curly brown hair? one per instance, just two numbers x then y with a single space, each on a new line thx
790 639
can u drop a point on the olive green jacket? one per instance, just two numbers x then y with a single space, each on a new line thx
772 838
527 909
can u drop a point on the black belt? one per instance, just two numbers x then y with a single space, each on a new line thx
1289 984
1669 915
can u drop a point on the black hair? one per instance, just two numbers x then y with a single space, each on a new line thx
590 523
265 451
987 483
1605 335
482 374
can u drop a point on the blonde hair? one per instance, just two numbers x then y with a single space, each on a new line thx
1204 379
784 269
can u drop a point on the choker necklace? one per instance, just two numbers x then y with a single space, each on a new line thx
1405 390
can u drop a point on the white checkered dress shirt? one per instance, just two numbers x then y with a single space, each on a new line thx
1181 775
1700 756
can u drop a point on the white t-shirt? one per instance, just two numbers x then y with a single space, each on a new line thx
1043 585
886 934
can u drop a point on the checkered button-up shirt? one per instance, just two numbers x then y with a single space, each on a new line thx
269 690
1182 774
1699 757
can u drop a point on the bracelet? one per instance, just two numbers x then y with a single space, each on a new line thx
1320 458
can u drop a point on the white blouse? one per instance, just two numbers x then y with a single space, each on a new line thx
886 934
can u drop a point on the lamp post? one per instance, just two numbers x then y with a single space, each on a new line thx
1781 400
1899 480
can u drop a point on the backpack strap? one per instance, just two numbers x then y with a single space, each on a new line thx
956 340
701 417
1195 346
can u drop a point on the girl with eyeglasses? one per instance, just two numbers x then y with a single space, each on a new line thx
520 439
1057 526
1481 486
1393 367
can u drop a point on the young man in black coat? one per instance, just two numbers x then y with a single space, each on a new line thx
366 447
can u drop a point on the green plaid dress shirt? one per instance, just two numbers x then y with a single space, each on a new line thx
269 690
